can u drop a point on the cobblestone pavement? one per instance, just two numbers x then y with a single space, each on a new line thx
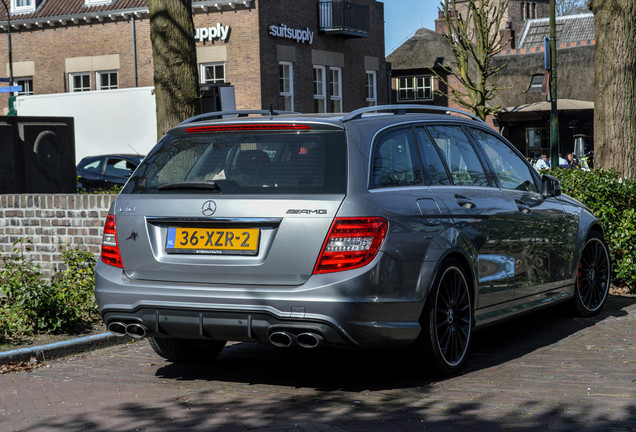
543 372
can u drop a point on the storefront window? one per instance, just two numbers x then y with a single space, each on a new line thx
212 73
27 86
336 89
286 86
107 80
538 140
80 82
320 90
372 90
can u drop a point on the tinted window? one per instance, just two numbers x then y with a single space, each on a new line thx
511 170
119 167
395 161
434 171
459 155
255 163
91 165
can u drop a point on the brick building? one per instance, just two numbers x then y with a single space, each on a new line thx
415 63
305 55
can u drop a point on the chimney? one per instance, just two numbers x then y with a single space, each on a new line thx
440 22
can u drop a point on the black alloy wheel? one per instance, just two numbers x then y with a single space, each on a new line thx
447 320
593 277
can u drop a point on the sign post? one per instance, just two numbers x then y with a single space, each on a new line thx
11 98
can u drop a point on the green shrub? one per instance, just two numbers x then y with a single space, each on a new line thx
613 201
31 304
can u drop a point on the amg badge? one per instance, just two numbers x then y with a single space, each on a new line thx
307 211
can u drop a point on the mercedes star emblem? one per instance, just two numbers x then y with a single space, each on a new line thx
208 208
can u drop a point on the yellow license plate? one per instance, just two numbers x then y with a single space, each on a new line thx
218 241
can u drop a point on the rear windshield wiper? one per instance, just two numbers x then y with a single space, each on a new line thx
192 185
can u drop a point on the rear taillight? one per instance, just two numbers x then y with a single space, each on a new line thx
110 248
351 243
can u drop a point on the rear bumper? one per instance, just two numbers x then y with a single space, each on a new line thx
346 311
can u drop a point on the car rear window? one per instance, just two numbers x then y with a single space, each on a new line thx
262 162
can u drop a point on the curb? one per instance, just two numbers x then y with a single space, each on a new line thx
63 349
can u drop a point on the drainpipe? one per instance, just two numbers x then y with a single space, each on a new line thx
134 48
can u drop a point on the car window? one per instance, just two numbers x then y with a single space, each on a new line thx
92 166
257 163
510 169
395 161
459 155
434 171
118 167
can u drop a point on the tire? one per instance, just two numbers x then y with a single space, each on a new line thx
447 320
186 350
593 278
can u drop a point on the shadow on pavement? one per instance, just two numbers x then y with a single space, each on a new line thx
328 369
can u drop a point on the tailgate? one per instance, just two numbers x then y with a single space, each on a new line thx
246 241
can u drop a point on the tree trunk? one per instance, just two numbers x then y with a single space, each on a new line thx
615 86
175 62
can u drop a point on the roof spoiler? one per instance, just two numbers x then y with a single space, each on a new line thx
405 108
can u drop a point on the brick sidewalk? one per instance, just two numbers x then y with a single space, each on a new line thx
544 372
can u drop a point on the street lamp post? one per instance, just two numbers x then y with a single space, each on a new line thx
554 114
11 97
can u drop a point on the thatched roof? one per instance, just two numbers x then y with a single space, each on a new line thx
425 50
575 76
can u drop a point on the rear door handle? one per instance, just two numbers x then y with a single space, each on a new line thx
464 202
523 207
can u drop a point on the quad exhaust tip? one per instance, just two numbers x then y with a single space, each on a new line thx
117 328
309 340
134 330
283 339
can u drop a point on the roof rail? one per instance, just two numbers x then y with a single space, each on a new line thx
404 108
238 113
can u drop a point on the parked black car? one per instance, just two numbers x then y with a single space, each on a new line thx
105 171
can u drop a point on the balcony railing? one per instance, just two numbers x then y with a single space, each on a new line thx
343 17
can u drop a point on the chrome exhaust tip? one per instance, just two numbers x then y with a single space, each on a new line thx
309 340
281 339
136 331
117 328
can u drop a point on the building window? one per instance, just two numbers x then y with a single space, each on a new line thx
212 73
415 88
320 90
372 88
27 86
22 6
97 2
80 82
286 86
107 80
538 141
335 84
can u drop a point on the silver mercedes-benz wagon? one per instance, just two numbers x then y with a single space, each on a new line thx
388 226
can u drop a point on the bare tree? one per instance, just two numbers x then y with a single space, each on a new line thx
175 64
615 85
474 37
570 7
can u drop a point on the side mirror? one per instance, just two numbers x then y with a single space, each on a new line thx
551 187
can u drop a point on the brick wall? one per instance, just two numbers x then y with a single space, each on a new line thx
53 223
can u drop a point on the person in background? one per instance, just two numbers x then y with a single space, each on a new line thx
542 163
564 163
